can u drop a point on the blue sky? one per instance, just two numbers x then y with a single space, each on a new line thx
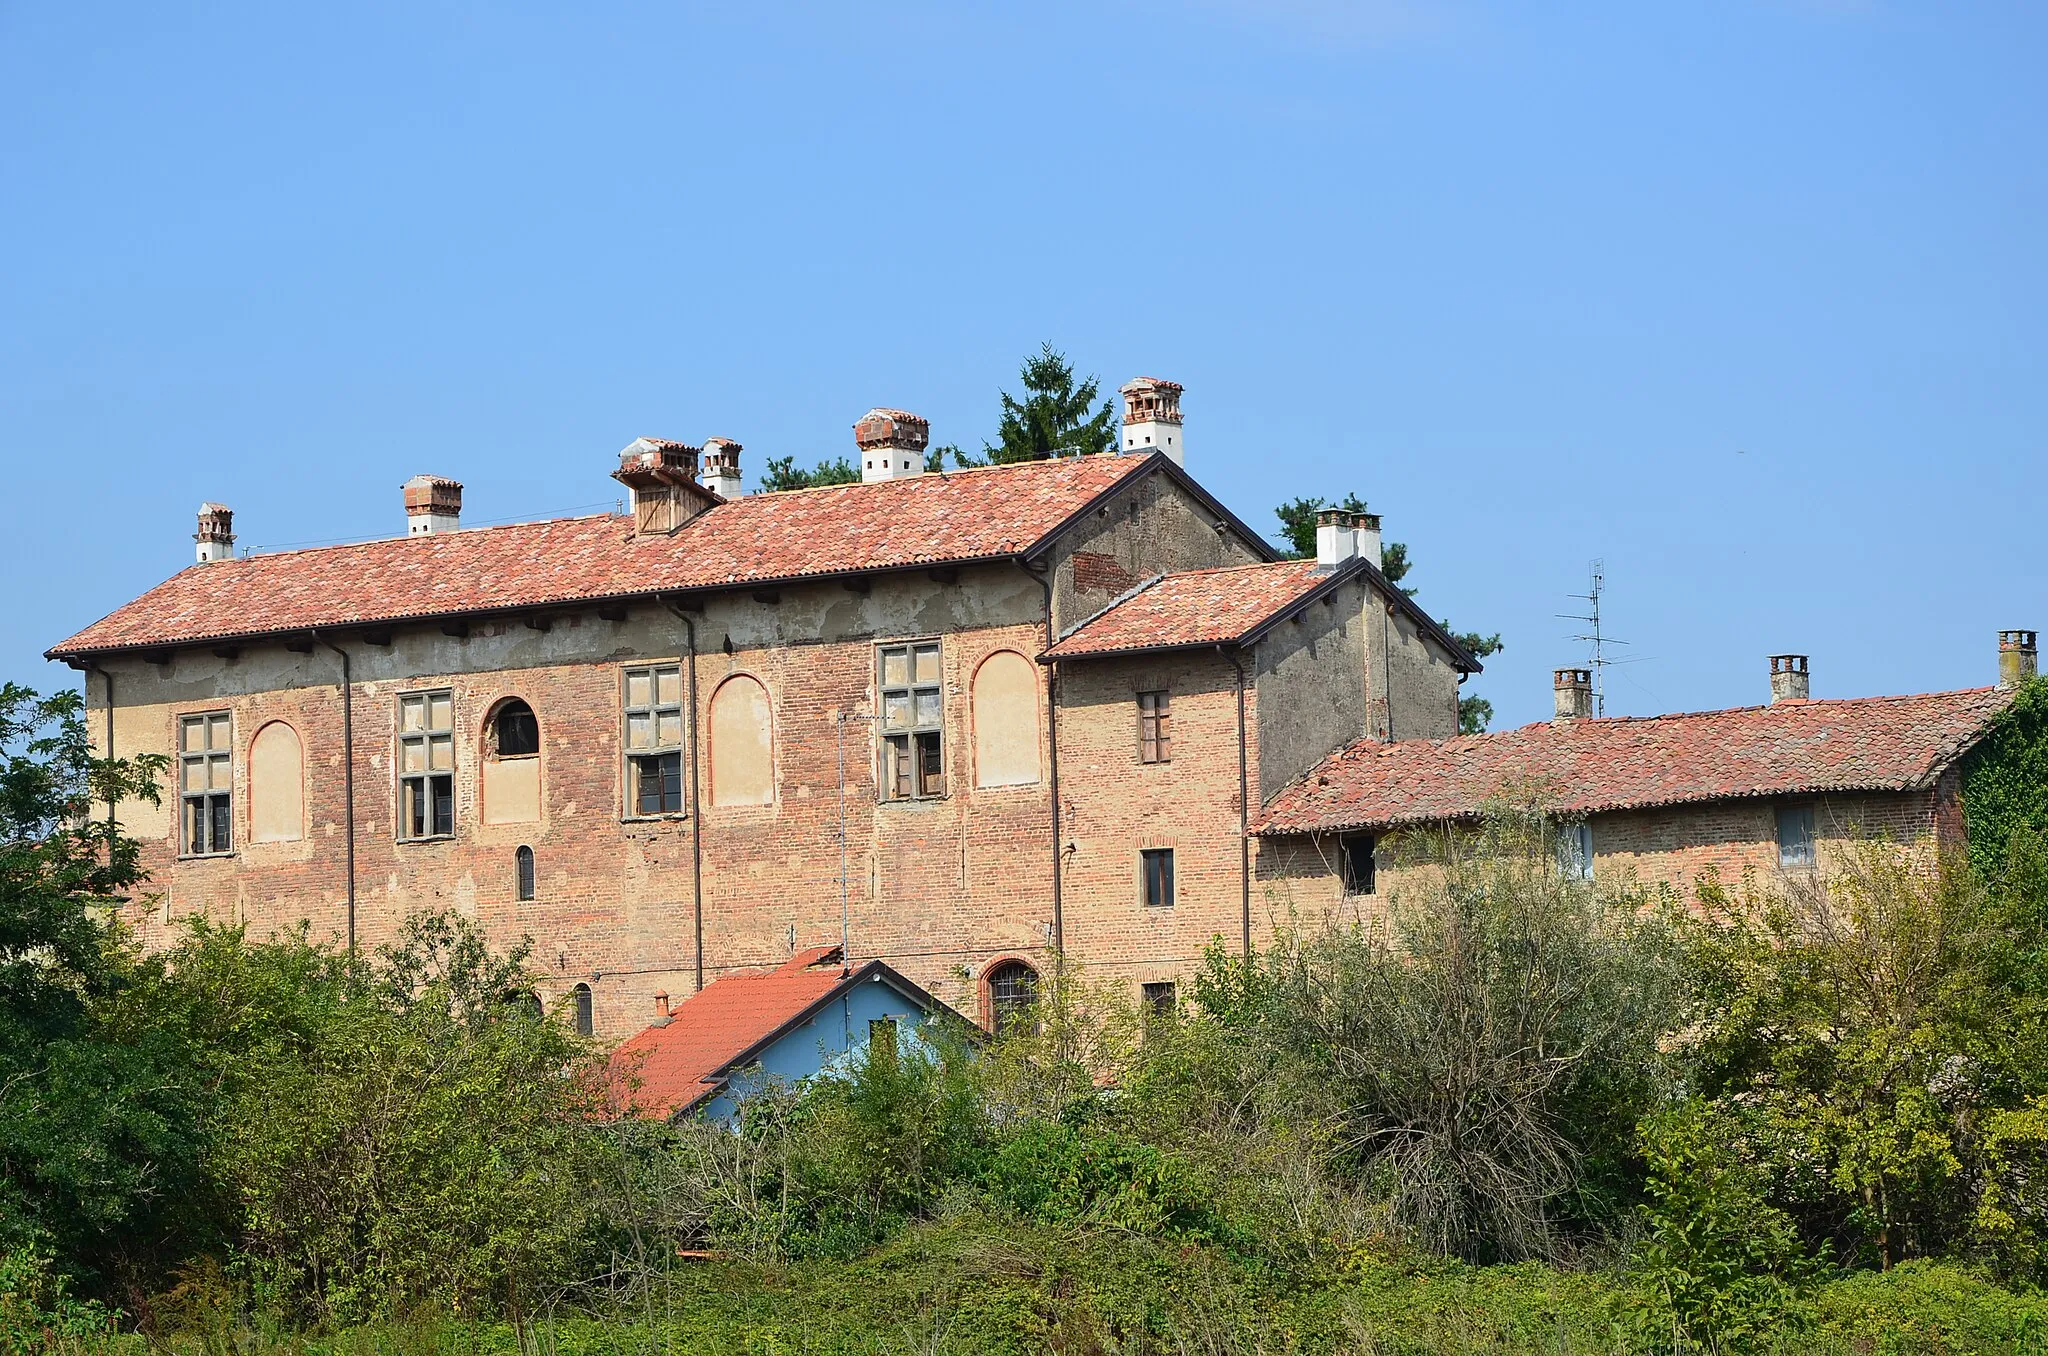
1748 299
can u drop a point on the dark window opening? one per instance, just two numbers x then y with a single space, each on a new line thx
1155 727
1160 999
523 1006
1012 996
657 783
882 1043
1795 836
523 859
516 731
1361 864
585 1025
1157 866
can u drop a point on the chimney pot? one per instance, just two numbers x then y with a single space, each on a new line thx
1789 678
432 504
1366 527
892 444
1336 537
1572 690
722 468
2018 658
216 534
661 1005
1152 417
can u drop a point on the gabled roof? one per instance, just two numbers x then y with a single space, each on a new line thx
1588 766
958 517
683 1061
1230 605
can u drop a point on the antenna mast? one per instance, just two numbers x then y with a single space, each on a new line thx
1597 661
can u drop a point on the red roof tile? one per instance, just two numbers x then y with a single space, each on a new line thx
676 1065
1789 748
1193 607
931 519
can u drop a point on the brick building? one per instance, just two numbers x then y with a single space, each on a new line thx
1749 792
961 718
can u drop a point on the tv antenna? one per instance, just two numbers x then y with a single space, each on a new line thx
1593 636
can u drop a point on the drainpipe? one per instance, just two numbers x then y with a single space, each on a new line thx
696 802
1052 736
348 778
1244 812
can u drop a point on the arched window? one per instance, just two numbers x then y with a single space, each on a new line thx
1006 720
1012 993
523 861
742 744
515 733
511 764
277 785
585 1025
523 1005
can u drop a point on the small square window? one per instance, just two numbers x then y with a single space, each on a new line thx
1795 836
1575 851
1160 999
1360 864
1156 865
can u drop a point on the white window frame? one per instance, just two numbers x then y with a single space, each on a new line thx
658 737
212 764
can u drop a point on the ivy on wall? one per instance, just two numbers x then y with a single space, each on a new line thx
2005 780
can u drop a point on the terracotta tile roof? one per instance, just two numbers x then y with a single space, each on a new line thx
1789 748
931 519
1193 607
678 1064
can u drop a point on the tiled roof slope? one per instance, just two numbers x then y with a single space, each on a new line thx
1193 607
1789 748
932 519
676 1065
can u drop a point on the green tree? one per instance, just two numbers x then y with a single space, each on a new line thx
1056 418
1298 529
782 473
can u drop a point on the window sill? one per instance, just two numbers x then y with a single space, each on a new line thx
206 856
916 801
430 838
675 818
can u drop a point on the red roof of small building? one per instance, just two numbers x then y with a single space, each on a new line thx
1193 607
1588 766
674 1065
957 517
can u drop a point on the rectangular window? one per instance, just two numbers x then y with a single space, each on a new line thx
206 771
1155 727
882 1042
654 740
1795 836
1160 999
913 718
1157 866
426 765
1361 867
1575 851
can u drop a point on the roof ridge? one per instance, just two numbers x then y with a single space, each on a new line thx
940 474
1109 607
406 536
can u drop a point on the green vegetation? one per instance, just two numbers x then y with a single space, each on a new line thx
1524 1113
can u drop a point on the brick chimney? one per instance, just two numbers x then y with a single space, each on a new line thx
216 534
1789 679
661 1004
432 504
663 478
892 444
1573 691
1336 537
721 474
2018 655
1152 417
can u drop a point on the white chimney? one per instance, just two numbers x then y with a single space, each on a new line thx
216 534
1336 537
432 504
1367 526
892 444
721 473
1152 417
1789 678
